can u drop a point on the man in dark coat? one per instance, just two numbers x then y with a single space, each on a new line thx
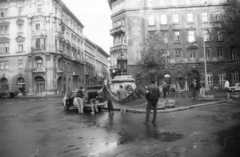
152 96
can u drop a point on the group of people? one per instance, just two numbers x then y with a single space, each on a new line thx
202 90
80 98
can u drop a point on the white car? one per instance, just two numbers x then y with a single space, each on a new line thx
235 88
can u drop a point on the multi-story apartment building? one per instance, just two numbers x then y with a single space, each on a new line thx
42 46
96 69
188 27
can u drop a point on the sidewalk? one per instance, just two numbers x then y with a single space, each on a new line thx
183 101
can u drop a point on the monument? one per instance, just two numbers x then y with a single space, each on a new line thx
121 77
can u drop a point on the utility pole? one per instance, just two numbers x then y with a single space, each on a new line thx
204 51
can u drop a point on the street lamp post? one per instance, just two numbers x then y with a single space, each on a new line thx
204 52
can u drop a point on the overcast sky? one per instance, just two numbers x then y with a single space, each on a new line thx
95 16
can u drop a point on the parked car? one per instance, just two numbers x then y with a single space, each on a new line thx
93 89
235 88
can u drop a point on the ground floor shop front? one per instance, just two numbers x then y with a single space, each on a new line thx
39 74
180 76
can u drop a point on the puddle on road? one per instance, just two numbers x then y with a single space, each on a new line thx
124 138
162 136
168 136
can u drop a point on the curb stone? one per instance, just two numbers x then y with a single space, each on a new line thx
172 109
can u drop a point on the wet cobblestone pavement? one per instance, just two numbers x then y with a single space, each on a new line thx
40 128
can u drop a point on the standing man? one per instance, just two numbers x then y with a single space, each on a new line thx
164 88
152 96
79 98
226 86
122 93
194 88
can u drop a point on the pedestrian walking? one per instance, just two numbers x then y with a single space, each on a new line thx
79 100
164 88
226 87
194 88
152 96
122 93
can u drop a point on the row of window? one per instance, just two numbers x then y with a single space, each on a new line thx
119 5
64 66
191 36
152 3
39 65
221 78
176 18
120 40
192 55
119 23
208 51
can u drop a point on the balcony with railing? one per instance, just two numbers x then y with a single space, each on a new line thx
118 47
40 33
118 30
38 49
39 70
60 71
75 73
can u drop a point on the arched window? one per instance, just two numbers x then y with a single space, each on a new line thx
4 81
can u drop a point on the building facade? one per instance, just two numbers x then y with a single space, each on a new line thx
42 47
96 61
189 27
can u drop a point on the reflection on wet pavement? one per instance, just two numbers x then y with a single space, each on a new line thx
47 130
